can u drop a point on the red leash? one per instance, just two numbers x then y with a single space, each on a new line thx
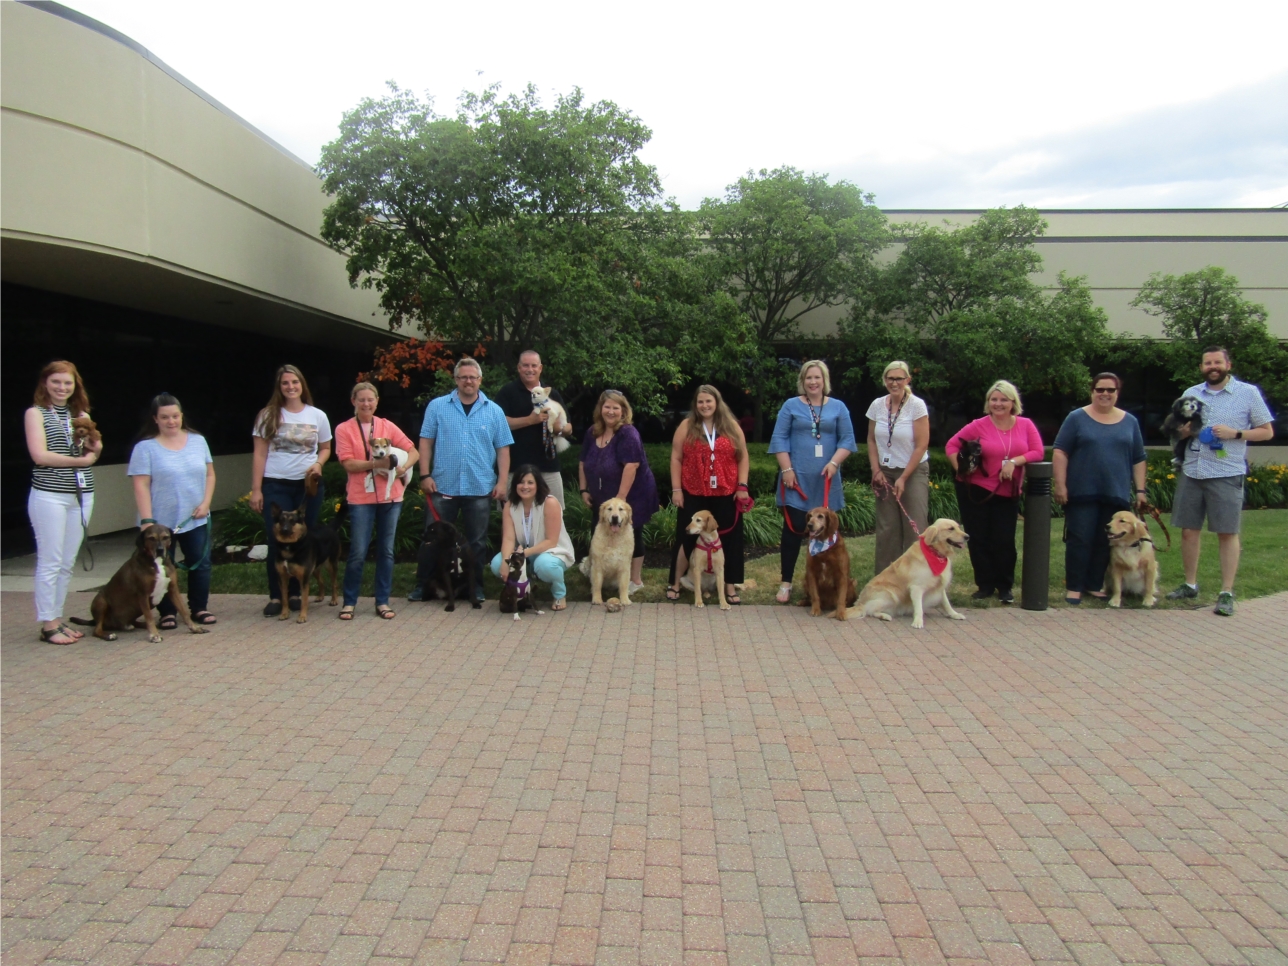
782 495
885 484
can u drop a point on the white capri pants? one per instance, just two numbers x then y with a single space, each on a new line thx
56 518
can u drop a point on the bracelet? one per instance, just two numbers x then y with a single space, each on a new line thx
834 463
1140 491
147 520
585 491
742 486
676 489
789 470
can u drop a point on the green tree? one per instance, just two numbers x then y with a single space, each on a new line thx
1205 308
515 225
790 244
959 304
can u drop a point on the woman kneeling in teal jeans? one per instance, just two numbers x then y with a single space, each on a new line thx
533 520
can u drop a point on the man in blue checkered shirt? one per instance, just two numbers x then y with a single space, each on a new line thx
1211 479
467 441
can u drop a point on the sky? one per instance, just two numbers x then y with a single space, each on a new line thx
925 105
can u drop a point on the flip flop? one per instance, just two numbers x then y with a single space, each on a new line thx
385 612
784 594
560 604
672 594
733 599
47 635
71 632
346 613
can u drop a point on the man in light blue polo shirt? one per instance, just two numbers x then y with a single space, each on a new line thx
466 440
1211 479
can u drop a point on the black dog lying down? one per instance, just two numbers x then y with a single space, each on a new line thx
446 557
1186 411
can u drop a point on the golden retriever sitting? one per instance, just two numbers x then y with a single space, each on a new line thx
611 548
918 579
1132 566
708 560
827 568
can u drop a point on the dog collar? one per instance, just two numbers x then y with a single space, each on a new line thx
819 546
1140 541
934 559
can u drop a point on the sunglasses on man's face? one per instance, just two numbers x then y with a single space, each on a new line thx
1106 389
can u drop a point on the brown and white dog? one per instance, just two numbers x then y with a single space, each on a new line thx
611 549
137 587
707 564
1132 565
827 568
400 465
920 578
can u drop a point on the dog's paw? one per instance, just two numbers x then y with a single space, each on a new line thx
725 605
450 607
154 638
918 624
284 615
475 605
301 619
956 616
1115 604
199 630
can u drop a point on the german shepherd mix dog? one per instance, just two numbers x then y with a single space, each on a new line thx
1186 411
140 584
446 556
303 551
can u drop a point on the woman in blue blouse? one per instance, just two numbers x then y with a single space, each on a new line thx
812 438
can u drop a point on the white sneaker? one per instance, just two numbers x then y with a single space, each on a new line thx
633 587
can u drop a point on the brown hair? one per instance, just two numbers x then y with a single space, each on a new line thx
270 417
77 402
1118 383
614 395
723 419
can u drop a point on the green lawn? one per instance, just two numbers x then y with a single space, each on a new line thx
1265 540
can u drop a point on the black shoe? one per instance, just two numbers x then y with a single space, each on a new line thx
294 604
273 608
416 595
1006 597
981 594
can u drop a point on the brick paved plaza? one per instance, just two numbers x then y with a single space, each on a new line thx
658 786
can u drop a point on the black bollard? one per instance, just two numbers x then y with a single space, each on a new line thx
1034 590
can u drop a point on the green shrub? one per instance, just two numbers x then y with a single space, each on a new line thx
659 532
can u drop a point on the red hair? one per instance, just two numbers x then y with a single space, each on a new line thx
77 402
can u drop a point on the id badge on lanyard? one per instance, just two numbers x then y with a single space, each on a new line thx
711 441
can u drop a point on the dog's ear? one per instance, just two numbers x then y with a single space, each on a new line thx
1142 528
930 533
141 539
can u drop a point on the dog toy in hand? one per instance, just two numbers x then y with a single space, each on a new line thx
1209 439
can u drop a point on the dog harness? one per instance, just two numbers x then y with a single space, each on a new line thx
710 549
819 546
934 559
520 585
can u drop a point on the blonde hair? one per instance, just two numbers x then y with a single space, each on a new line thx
1008 390
899 364
723 420
353 393
822 367
613 395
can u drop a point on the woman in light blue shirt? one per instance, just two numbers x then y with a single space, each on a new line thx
174 482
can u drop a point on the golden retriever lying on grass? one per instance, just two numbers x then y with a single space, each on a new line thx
918 579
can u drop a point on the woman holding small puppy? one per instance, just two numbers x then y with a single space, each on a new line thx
812 438
533 520
365 493
709 467
292 440
613 464
990 497
62 491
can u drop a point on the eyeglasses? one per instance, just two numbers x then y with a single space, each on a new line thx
1106 389
896 378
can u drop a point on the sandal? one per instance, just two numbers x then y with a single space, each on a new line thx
672 594
168 623
733 599
47 635
784 594
1073 601
204 617
385 612
346 613
71 632
560 604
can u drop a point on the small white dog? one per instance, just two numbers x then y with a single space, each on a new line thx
401 465
558 421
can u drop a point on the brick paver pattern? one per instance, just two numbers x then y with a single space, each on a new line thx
663 785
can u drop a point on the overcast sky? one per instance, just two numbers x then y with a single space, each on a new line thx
929 104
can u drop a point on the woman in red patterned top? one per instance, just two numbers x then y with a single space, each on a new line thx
709 464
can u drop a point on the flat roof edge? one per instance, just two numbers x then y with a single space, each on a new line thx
89 23
1089 211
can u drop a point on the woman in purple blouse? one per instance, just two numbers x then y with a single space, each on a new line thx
613 465
989 498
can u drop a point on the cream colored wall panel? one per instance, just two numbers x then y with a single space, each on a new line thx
1124 264
67 183
1167 223
57 69
114 493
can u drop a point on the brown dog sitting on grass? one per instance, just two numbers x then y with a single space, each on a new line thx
134 590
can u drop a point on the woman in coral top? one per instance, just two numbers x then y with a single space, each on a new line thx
368 507
990 497
709 465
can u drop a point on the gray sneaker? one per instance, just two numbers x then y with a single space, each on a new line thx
1225 604
1183 592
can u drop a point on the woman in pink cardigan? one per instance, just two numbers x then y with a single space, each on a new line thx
990 497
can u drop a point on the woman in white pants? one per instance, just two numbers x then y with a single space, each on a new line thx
62 491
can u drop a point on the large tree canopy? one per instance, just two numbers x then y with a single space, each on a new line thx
960 306
517 226
788 244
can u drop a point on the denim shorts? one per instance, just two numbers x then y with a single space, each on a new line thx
1219 499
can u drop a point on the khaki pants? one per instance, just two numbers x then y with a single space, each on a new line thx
553 480
894 534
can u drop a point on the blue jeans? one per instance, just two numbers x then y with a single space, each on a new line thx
544 566
362 517
1086 554
194 545
473 512
288 495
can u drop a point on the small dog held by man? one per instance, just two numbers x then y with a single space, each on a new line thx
558 421
1187 412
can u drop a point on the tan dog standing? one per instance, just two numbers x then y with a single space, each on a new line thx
920 578
1132 565
708 559
611 548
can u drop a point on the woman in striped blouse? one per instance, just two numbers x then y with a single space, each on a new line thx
62 491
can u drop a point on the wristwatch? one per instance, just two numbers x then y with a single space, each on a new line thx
1239 435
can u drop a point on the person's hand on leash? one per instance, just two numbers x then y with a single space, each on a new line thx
898 488
829 470
428 485
498 491
201 512
743 501
1061 493
1007 471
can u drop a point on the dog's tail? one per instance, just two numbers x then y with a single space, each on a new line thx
561 444
82 621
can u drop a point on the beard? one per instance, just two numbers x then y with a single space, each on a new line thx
1214 375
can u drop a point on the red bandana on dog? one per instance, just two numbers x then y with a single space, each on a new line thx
934 559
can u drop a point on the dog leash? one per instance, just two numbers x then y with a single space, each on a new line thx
1153 511
782 494
88 564
884 484
205 553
